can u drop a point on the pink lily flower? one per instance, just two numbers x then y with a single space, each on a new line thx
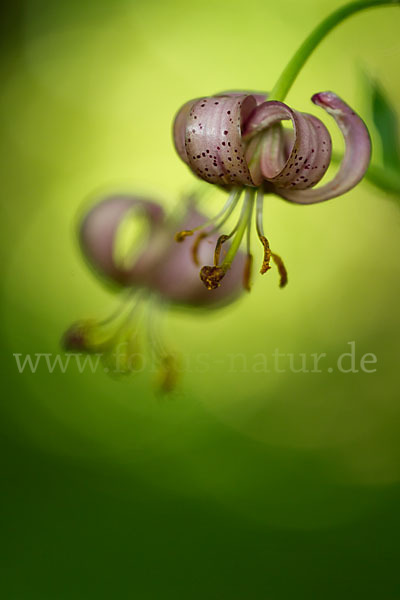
237 141
153 272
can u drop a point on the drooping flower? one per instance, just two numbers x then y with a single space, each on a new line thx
127 240
237 141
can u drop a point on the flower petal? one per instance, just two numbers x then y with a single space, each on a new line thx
214 147
309 155
99 229
356 158
260 97
179 129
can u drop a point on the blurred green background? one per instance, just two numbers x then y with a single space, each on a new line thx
242 484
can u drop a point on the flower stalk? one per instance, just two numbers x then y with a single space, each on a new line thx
294 66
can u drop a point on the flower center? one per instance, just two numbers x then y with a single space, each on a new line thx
212 275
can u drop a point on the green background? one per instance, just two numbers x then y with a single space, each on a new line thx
241 485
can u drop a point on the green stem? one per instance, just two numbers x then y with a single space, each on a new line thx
386 179
244 223
295 65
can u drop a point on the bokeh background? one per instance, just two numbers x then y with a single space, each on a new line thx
242 484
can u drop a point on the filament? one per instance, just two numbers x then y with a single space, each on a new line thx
211 276
225 212
267 251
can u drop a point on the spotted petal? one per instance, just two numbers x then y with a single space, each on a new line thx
179 129
356 158
213 139
309 155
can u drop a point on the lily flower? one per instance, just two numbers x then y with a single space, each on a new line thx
127 241
237 141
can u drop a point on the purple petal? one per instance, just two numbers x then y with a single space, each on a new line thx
260 97
214 147
356 158
99 229
308 157
179 129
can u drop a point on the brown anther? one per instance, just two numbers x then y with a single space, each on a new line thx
181 235
195 247
75 339
247 272
211 277
281 268
267 255
221 240
168 374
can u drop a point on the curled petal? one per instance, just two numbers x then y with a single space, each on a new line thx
98 232
266 114
308 157
272 157
214 146
260 97
179 129
356 158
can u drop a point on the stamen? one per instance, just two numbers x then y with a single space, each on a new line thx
247 272
226 211
281 269
195 247
94 335
221 240
260 232
267 251
181 235
121 355
212 276
169 374
267 255
249 260
168 365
